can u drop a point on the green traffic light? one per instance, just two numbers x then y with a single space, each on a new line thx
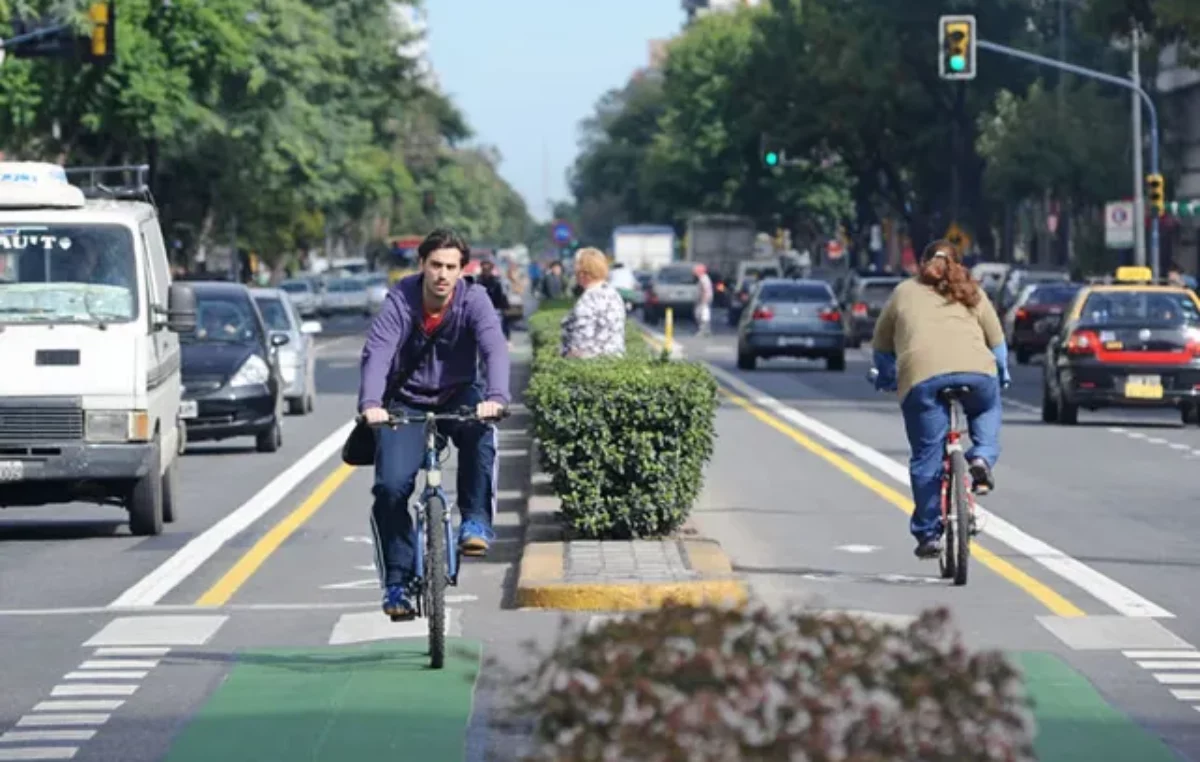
772 158
958 63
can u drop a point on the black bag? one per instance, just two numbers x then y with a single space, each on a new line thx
359 448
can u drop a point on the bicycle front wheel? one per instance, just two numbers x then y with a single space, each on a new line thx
960 517
435 580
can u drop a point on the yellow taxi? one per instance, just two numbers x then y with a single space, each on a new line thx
1125 341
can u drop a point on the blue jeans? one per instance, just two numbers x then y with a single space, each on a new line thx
927 421
399 455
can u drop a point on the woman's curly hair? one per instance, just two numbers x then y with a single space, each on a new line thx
942 270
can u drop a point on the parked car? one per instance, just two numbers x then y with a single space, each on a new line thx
792 318
377 291
676 286
298 357
232 386
344 296
304 294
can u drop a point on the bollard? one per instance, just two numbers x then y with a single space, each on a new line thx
668 329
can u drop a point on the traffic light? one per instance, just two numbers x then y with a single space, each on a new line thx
772 155
100 44
1184 208
1155 197
956 37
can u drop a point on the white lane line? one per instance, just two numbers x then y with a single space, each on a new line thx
1184 664
151 589
26 736
92 689
132 651
86 705
96 674
61 720
1163 654
1187 694
1105 589
38 752
1191 678
119 664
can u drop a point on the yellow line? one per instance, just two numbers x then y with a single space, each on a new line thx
224 589
1052 600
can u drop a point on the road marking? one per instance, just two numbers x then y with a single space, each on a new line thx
1168 678
61 720
151 589
224 588
1178 654
86 705
95 674
38 752
137 651
100 664
25 736
1105 589
374 626
1185 664
158 631
858 548
95 689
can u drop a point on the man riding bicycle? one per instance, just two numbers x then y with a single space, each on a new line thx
939 330
458 318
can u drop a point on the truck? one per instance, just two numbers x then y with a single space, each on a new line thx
643 247
720 242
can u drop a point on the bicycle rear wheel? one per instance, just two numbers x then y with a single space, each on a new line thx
960 517
435 580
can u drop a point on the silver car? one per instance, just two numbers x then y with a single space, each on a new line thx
346 296
791 318
298 357
377 291
304 295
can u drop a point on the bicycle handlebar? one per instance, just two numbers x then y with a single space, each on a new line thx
463 414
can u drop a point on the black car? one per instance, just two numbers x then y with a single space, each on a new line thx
232 385
864 298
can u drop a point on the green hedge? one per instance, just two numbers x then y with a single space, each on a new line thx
624 440
758 684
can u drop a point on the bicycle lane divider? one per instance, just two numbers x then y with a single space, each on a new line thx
152 588
787 420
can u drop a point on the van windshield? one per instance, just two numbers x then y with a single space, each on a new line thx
67 273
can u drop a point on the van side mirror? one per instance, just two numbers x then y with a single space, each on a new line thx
181 309
279 339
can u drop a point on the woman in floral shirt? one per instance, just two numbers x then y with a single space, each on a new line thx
595 326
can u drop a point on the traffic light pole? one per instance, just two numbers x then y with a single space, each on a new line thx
1110 79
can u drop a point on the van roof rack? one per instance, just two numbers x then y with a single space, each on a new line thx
133 185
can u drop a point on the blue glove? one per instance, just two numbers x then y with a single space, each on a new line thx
1001 353
885 363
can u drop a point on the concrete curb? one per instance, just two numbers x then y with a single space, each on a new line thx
542 583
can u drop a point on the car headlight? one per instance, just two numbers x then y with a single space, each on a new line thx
117 426
253 371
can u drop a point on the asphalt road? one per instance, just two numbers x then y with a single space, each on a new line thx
1090 550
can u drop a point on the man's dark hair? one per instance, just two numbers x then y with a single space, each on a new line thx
444 238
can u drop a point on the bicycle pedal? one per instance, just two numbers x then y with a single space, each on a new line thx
403 617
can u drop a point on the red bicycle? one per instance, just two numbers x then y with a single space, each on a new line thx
958 500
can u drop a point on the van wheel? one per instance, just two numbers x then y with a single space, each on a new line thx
298 406
271 439
145 502
170 490
836 362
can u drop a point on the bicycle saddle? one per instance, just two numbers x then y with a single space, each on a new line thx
953 393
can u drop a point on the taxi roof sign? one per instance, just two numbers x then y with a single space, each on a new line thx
1132 274
37 185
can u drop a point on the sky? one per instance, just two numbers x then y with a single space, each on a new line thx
525 72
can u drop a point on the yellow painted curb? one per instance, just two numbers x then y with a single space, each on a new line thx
542 583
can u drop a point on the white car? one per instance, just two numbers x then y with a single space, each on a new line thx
345 296
304 295
377 291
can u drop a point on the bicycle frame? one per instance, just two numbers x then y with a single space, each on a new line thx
953 444
433 488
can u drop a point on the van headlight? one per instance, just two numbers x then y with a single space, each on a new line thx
117 426
253 371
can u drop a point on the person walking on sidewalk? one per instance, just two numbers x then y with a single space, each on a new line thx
704 302
939 330
458 322
595 326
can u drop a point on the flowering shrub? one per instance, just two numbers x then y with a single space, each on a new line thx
738 685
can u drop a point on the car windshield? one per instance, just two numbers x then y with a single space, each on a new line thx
760 272
794 293
346 285
223 318
1043 295
274 313
877 292
677 276
67 273
377 280
295 287
1141 308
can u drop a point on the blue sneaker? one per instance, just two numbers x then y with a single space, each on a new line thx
474 538
396 603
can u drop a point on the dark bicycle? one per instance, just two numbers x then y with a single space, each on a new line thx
437 553
957 497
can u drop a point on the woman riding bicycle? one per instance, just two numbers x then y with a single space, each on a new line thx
939 330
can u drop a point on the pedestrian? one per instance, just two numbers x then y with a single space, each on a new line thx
595 326
554 283
703 301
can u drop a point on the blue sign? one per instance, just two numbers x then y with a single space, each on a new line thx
563 233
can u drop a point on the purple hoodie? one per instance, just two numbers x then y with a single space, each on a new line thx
470 328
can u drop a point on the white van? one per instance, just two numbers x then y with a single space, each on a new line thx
89 396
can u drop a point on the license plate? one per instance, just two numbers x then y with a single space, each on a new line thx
188 409
796 341
1144 387
12 470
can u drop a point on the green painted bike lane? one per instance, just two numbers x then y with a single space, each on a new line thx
382 701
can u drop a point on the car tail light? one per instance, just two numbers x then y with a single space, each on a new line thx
1193 346
830 315
1083 343
1022 314
860 310
762 313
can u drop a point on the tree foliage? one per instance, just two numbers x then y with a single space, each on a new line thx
284 119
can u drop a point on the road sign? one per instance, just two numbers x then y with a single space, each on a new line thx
834 249
1118 224
562 232
959 237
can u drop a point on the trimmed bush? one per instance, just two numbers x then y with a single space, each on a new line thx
624 440
717 685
